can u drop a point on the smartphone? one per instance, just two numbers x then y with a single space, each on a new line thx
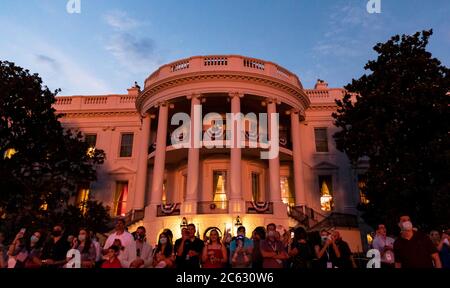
22 231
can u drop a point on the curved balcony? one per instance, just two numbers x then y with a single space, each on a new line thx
222 73
223 63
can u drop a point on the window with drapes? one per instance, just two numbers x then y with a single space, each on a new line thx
286 193
220 186
256 191
326 192
120 198
362 182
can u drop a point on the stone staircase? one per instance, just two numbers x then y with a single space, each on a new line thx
312 220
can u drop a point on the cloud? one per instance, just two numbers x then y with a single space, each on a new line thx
48 61
119 20
350 27
135 53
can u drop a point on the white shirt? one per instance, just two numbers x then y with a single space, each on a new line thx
379 243
130 254
125 239
98 252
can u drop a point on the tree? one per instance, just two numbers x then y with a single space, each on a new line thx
41 164
399 120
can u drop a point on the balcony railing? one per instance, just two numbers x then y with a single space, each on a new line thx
134 216
259 207
223 62
212 207
168 210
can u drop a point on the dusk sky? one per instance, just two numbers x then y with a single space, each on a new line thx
113 43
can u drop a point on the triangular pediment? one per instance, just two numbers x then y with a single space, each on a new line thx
325 166
122 170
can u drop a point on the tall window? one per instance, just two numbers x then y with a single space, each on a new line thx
126 145
164 192
220 186
326 192
120 198
321 136
286 196
91 140
362 182
83 197
256 192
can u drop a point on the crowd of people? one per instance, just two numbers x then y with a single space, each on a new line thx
267 247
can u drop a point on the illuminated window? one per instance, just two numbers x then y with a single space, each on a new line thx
9 153
362 183
126 145
286 196
321 137
326 193
120 198
219 186
83 197
164 192
184 187
91 140
256 192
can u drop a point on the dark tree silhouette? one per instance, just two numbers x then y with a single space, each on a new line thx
399 120
41 164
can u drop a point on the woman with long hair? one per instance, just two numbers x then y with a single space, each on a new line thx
163 253
214 252
87 249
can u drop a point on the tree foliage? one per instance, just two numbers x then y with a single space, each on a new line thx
399 120
49 164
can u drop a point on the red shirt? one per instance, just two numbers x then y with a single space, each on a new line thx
114 264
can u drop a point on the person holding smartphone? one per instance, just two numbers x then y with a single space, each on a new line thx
241 250
17 249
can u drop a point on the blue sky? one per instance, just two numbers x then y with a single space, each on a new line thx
113 43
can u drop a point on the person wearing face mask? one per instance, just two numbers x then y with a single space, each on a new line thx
273 250
30 251
138 254
55 249
327 252
241 250
83 243
385 245
163 253
414 249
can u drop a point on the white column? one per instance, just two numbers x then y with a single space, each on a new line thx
160 155
190 204
141 176
300 197
274 164
235 153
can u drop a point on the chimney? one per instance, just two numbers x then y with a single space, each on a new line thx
321 85
135 90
